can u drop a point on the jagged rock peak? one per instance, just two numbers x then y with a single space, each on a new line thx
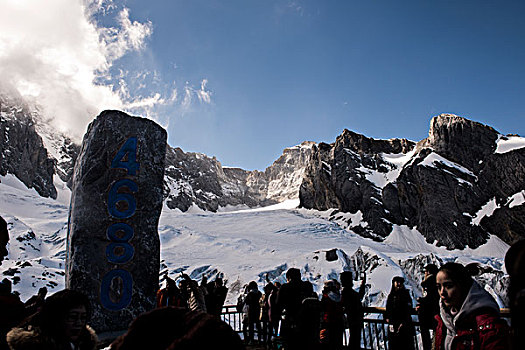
446 127
285 175
22 152
292 156
460 140
361 144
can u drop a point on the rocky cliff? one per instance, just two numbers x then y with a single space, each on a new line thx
457 186
195 179
460 185
22 151
34 152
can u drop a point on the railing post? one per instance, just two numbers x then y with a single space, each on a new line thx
376 339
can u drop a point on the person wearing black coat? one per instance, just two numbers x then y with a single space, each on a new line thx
428 306
353 308
253 309
309 320
515 265
289 300
11 308
11 311
398 315
216 297
4 239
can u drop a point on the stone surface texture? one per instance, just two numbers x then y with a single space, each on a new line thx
87 263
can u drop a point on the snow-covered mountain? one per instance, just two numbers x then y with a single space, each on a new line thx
243 245
459 186
193 179
372 206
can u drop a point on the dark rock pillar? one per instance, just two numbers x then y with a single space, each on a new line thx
113 248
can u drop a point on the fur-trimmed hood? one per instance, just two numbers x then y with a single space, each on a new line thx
477 299
32 338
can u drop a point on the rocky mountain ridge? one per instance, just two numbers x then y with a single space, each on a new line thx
456 187
443 185
34 152
22 151
195 179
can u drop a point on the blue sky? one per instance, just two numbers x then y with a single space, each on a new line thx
243 79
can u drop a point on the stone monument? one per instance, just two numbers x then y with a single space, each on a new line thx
113 248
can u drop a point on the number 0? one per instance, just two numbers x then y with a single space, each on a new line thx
116 284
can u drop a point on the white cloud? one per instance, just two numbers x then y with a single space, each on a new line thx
203 94
146 102
129 36
55 52
186 102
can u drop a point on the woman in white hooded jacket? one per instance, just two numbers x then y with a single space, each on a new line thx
469 316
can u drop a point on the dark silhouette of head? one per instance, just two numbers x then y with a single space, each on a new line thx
293 274
177 329
170 283
431 269
307 289
5 287
346 279
331 286
269 287
252 286
398 283
515 265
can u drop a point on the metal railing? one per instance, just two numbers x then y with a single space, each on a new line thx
374 334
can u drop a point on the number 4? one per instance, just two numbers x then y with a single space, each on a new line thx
126 157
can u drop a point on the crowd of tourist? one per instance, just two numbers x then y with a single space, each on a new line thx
455 312
206 297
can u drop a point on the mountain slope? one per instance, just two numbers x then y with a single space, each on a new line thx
460 185
22 151
438 185
34 152
243 245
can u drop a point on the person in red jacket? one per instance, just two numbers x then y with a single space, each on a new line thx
469 316
170 295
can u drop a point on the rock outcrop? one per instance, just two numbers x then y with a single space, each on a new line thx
113 250
348 175
22 152
195 179
442 186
